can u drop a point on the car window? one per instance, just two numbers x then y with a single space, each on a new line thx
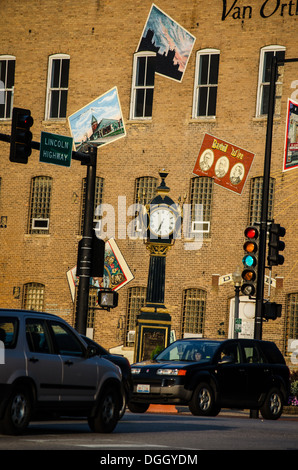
9 331
188 351
252 355
37 336
231 350
67 343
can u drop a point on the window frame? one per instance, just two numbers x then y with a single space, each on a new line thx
44 211
190 316
261 84
136 299
134 87
51 88
201 192
37 289
208 85
255 199
7 90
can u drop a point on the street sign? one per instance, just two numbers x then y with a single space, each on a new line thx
55 149
238 325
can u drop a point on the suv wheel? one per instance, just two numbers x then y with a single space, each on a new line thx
107 413
203 402
18 413
272 406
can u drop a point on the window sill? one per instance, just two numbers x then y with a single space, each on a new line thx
201 120
139 121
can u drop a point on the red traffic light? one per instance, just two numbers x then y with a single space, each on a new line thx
251 232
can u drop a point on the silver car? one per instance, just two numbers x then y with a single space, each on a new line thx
46 370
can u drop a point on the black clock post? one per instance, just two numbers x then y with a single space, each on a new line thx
154 321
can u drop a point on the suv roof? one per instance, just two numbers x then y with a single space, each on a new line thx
20 311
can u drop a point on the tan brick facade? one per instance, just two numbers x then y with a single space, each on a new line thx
101 38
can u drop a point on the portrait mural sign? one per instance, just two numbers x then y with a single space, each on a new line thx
170 41
226 163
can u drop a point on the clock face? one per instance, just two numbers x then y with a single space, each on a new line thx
162 222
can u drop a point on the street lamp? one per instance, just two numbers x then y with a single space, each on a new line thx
237 283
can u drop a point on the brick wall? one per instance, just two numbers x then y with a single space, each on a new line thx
101 38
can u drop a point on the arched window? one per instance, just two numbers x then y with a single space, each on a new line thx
193 311
57 86
7 73
142 85
40 204
266 55
136 300
33 296
206 83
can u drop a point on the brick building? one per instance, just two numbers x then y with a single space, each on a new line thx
55 59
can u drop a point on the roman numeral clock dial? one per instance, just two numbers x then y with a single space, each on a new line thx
162 222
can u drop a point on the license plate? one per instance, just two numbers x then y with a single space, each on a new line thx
143 388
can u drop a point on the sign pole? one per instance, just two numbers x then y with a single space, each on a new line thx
85 246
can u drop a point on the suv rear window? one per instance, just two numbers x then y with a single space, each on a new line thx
272 353
9 331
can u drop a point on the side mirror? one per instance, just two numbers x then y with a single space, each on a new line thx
90 351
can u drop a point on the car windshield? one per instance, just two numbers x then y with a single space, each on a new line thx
190 351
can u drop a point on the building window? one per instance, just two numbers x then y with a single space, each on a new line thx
292 322
264 79
7 72
201 192
57 88
40 202
98 199
206 82
33 296
194 310
145 189
142 86
255 208
136 300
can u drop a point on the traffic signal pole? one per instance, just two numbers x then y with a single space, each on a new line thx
265 195
85 246
264 211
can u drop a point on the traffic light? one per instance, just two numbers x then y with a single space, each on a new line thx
271 310
250 260
275 245
21 136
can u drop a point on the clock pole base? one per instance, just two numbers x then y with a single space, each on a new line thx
152 332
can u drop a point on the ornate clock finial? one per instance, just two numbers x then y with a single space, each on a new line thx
163 187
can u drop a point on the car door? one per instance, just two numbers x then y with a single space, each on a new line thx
79 373
257 370
44 365
231 375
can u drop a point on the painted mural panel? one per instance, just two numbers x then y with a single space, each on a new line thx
170 41
291 141
98 123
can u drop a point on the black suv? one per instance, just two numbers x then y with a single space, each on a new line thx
207 375
46 369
